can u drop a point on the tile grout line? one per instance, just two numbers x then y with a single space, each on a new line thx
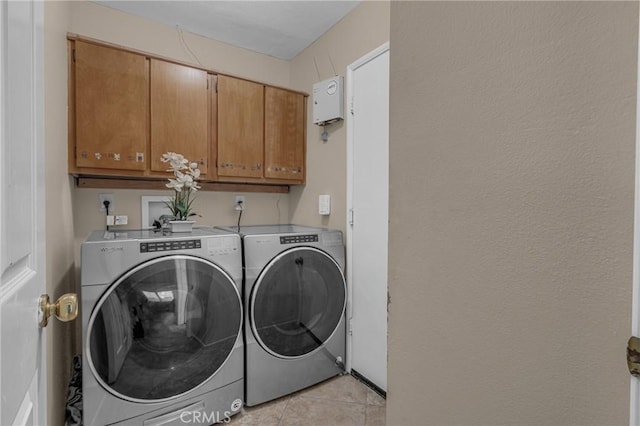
365 414
283 412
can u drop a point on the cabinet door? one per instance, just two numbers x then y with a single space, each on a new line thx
111 108
240 127
179 101
284 137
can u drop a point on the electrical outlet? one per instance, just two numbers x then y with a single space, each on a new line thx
122 220
239 199
106 197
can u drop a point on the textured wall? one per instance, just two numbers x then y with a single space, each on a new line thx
511 211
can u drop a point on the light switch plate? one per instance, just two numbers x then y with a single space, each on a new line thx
324 205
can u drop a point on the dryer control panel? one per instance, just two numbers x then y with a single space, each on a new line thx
297 239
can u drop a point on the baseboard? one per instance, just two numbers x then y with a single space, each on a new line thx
369 383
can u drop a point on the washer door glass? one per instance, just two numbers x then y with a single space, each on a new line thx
164 328
297 302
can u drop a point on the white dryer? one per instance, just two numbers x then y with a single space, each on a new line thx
295 298
162 327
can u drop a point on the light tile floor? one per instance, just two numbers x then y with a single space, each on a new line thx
341 401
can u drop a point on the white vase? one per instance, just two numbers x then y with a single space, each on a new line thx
181 225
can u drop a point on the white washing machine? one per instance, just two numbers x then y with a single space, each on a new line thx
161 327
295 298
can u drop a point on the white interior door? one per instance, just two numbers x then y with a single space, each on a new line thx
22 345
368 201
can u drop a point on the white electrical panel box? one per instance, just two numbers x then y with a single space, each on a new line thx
328 101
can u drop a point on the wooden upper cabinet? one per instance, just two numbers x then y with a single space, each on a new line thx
179 114
111 108
240 128
284 134
127 108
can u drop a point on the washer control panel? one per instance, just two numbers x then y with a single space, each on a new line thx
155 246
223 245
297 239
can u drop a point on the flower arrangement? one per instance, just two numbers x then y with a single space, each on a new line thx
183 183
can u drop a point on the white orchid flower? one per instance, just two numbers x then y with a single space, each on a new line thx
187 180
176 161
183 183
175 184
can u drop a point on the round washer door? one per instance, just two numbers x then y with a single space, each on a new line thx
297 302
164 328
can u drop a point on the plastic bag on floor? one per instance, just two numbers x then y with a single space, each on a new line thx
74 395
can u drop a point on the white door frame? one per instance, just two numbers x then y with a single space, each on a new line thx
634 414
349 247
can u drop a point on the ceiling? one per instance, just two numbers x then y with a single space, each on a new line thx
281 29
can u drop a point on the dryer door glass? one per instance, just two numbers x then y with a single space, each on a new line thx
297 302
164 328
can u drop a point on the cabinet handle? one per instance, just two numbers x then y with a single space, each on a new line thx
285 169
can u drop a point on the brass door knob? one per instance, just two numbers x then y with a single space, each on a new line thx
633 356
65 308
